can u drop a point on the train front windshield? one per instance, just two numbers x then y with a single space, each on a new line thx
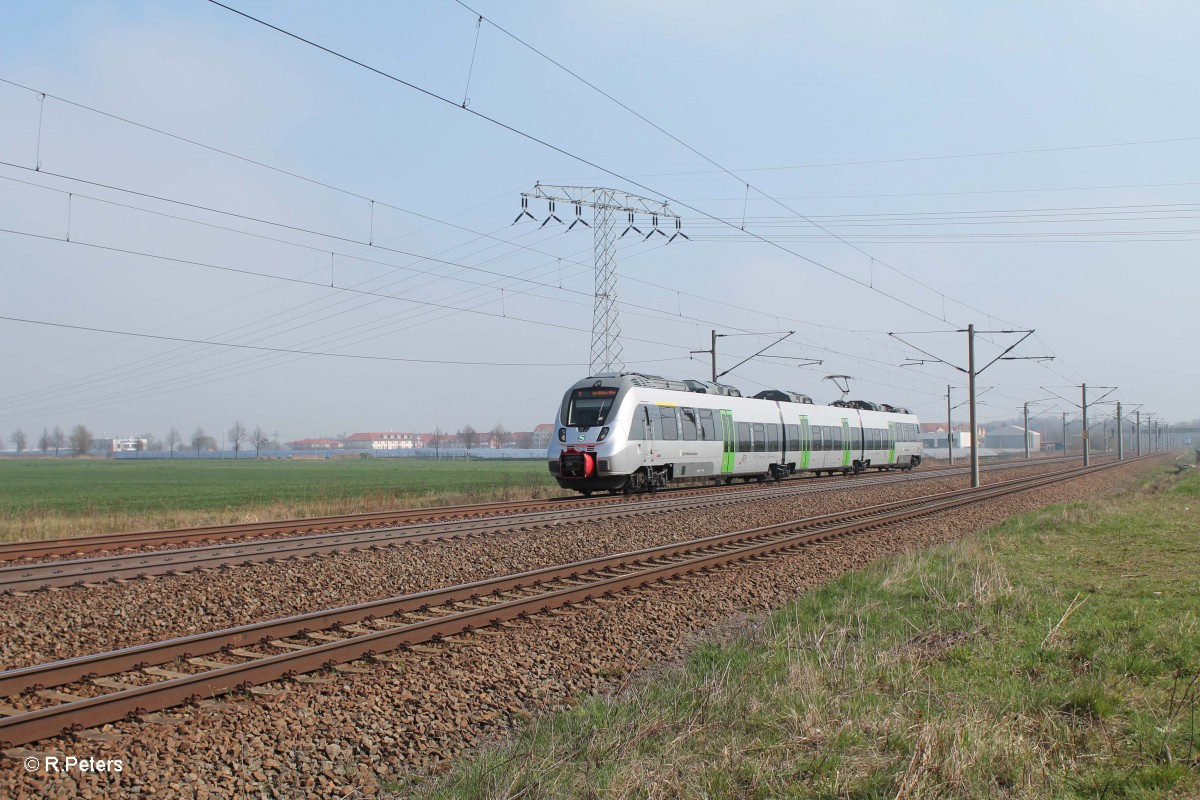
589 407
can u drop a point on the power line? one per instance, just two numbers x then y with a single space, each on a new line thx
518 132
286 350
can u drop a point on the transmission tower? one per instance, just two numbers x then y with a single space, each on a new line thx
606 204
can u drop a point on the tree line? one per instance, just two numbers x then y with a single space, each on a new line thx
81 440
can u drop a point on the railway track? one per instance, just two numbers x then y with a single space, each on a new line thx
61 573
66 696
79 545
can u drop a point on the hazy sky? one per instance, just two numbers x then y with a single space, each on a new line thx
1012 165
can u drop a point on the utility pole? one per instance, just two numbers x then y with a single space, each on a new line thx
1138 436
1064 433
1120 440
1026 429
971 390
949 427
1086 443
714 356
605 205
711 351
971 375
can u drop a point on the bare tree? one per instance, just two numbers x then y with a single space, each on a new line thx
58 439
173 440
199 437
524 440
259 439
18 439
468 436
237 435
498 436
81 439
44 441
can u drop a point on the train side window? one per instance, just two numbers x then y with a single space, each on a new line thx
773 437
760 437
793 437
670 422
687 416
744 443
708 429
835 436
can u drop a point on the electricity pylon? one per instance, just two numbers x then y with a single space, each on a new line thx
605 205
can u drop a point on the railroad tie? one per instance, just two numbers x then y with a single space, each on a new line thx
164 673
113 683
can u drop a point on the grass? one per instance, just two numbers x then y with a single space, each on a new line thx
1054 656
42 498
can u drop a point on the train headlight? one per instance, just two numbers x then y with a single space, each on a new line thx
562 434
603 434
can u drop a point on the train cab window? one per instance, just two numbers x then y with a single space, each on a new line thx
743 432
670 422
793 437
708 428
640 428
687 416
590 406
773 437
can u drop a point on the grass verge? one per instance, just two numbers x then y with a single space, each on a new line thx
1054 656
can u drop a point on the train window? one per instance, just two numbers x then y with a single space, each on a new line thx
670 422
831 435
793 437
744 443
708 429
590 406
837 438
687 416
773 437
760 437
639 428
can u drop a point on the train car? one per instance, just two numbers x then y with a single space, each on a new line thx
626 432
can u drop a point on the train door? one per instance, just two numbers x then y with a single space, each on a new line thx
641 433
847 456
728 442
805 442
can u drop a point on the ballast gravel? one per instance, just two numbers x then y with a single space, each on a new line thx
367 731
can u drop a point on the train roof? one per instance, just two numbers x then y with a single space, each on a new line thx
642 380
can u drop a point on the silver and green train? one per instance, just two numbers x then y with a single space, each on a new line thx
627 432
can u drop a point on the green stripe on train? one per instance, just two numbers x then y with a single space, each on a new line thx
805 443
845 442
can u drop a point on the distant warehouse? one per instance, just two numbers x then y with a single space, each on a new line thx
1012 437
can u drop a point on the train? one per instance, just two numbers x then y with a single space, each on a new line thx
630 432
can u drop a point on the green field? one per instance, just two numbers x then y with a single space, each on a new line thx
54 497
1055 656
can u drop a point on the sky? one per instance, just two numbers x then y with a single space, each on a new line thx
204 220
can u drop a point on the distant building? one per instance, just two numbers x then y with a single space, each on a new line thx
131 444
316 444
390 440
1012 437
933 435
542 435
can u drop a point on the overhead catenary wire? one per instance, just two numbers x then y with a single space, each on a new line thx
434 221
581 159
